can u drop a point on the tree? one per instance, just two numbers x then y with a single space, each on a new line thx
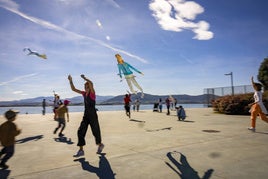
263 73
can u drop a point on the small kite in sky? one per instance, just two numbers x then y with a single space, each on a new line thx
99 23
125 68
35 53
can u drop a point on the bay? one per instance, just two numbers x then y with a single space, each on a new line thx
38 109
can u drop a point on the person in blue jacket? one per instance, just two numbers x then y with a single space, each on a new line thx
125 69
181 113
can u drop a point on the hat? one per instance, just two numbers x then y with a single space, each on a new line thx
11 113
66 102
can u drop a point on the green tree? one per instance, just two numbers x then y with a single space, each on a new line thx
263 73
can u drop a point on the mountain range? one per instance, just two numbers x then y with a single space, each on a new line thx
110 100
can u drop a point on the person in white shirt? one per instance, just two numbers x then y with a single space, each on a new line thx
257 108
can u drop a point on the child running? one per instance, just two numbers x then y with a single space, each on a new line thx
8 131
127 100
61 111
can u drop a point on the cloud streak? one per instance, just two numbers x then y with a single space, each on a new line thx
177 15
17 79
13 7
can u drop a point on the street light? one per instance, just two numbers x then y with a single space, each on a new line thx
232 85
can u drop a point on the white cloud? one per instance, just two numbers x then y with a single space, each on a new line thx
9 4
113 3
202 32
17 92
188 10
177 15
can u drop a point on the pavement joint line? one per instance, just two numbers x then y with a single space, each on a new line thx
41 171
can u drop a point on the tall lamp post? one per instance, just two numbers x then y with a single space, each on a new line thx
232 84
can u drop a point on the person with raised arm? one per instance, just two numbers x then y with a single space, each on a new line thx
257 107
90 116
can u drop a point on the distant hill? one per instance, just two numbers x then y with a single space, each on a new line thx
49 99
109 100
151 99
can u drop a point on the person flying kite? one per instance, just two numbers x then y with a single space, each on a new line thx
125 68
35 53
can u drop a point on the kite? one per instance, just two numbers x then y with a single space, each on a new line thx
125 68
35 53
98 22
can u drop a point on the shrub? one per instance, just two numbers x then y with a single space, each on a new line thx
235 105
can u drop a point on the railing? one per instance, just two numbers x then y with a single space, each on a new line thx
214 93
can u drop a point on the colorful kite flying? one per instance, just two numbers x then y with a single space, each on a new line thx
35 53
125 69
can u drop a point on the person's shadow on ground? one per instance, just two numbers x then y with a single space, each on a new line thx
27 139
135 120
154 130
185 170
64 140
104 171
4 174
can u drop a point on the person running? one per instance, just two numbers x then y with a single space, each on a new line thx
257 108
56 103
61 111
8 131
90 116
127 101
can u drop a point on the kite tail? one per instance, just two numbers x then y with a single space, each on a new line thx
42 56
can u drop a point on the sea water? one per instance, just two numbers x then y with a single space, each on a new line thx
49 109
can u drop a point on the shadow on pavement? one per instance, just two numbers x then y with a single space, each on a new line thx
135 120
185 171
104 171
27 139
154 130
64 140
262 132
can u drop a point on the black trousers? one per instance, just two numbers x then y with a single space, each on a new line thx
91 120
8 153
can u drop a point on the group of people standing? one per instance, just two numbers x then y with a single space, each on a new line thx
171 104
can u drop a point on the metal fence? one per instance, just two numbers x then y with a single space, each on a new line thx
214 93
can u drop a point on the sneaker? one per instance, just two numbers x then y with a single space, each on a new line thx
252 129
79 153
100 148
61 135
3 166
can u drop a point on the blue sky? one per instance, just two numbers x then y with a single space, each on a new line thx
181 46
